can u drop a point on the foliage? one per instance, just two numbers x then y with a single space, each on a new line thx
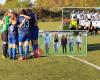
55 5
15 4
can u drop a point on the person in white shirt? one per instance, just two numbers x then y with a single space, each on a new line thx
79 41
97 26
89 15
78 15
73 14
81 23
87 24
95 14
93 26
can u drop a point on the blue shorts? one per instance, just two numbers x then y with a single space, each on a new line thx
34 34
23 36
12 39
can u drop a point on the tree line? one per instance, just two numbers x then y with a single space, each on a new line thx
49 7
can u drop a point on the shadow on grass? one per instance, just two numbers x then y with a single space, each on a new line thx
44 56
31 57
93 47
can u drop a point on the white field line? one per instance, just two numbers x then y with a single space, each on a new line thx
86 62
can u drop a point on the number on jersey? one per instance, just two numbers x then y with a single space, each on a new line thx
26 24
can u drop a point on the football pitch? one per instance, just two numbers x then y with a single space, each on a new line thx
55 67
50 25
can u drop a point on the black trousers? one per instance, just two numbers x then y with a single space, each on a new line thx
64 48
4 37
73 28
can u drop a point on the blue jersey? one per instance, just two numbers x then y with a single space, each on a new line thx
12 34
25 26
12 29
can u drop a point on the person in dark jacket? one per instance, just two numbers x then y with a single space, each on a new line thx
33 30
64 43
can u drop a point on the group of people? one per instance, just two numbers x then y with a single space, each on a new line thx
85 20
64 40
18 29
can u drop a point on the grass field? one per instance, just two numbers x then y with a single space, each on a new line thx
54 68
50 25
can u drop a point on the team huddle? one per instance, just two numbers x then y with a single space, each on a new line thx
16 33
64 40
85 20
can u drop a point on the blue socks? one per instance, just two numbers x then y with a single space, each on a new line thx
33 47
14 53
26 50
21 50
10 52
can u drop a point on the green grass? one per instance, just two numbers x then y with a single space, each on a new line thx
52 68
50 25
48 68
94 53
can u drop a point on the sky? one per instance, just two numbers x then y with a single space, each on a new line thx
30 0
33 0
2 2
